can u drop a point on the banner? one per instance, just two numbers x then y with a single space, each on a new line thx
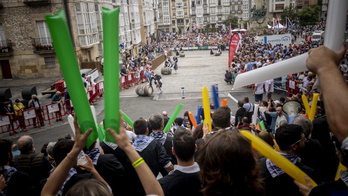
29 114
4 120
284 39
53 108
234 43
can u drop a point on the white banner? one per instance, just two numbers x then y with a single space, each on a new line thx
101 85
129 77
292 84
53 108
29 114
284 39
4 120
122 79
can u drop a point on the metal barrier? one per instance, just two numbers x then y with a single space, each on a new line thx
132 79
47 113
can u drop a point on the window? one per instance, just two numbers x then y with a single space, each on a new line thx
219 10
50 62
2 37
180 13
86 21
205 19
212 10
165 4
166 20
166 11
44 34
227 10
187 22
212 19
173 22
205 11
213 2
279 6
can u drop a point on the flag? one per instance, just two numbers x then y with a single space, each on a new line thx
233 47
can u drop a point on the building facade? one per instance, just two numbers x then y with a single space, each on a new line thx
26 49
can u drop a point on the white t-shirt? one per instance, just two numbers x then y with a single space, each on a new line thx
305 82
259 88
280 120
267 83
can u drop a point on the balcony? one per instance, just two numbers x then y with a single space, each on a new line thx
37 2
6 48
43 46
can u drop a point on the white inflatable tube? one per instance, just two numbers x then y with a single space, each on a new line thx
335 26
233 99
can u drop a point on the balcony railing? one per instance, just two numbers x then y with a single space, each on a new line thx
36 2
6 48
43 45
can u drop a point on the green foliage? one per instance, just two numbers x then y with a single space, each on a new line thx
233 20
290 13
309 15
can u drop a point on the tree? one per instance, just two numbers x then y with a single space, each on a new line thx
309 15
233 20
289 12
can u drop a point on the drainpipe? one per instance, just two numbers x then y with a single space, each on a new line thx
67 15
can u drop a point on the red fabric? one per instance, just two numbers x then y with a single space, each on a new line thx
234 42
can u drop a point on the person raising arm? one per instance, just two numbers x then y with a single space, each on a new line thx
324 62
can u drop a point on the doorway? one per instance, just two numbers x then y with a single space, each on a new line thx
6 69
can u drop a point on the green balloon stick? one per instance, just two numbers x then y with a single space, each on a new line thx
262 125
67 59
128 120
172 117
111 71
101 132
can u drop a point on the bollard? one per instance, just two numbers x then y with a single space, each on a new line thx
182 92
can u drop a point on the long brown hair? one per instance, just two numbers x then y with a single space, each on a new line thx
228 166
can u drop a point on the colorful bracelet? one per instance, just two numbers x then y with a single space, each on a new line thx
138 162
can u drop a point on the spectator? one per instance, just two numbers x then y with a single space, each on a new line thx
6 170
233 170
240 114
290 139
150 149
35 103
156 124
184 179
37 162
19 109
57 99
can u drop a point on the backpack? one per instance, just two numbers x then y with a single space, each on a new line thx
157 77
22 181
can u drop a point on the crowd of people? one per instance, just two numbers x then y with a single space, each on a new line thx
188 160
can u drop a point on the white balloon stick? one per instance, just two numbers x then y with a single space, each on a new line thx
256 109
234 99
335 25
71 123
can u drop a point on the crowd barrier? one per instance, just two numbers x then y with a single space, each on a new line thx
47 113
132 79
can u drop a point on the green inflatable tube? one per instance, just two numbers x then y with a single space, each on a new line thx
128 120
67 59
111 71
172 117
